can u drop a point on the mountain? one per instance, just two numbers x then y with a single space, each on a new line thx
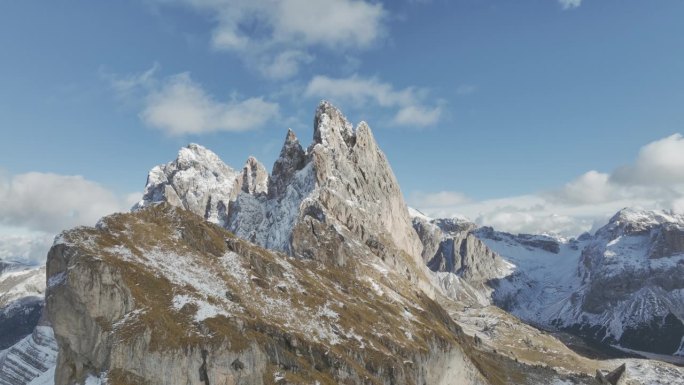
31 358
621 286
27 346
341 188
22 290
162 297
316 273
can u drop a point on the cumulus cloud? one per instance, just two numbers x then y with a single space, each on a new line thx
181 106
35 206
360 91
654 181
285 64
177 105
418 116
590 187
536 213
660 163
52 202
570 4
28 249
261 31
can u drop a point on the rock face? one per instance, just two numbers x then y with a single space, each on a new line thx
312 205
254 178
451 246
162 297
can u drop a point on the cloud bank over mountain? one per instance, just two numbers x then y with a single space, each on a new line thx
654 180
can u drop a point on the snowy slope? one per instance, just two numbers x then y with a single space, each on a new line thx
544 277
22 289
624 285
33 356
20 281
29 350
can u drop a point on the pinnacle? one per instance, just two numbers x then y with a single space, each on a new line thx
330 123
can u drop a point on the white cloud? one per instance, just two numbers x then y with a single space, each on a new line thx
285 65
654 181
29 249
678 205
570 4
590 187
418 116
177 105
52 202
261 31
536 213
35 206
660 162
181 106
333 23
361 91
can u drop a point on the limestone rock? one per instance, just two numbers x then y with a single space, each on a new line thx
254 178
315 203
292 159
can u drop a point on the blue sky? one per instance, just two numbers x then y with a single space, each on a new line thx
486 108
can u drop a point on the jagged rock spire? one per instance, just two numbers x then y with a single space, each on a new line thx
292 159
254 177
331 127
336 201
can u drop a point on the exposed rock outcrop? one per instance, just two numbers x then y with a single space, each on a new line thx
451 246
254 177
315 202
197 181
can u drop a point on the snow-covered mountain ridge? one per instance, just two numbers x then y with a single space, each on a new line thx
22 291
27 346
623 285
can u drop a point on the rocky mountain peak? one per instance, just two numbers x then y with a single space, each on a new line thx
194 155
292 159
197 180
357 189
631 221
254 178
331 127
